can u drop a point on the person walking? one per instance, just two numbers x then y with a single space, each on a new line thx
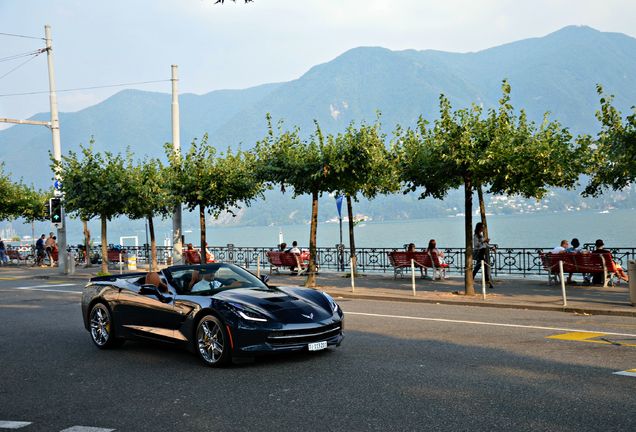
49 244
39 251
3 254
480 252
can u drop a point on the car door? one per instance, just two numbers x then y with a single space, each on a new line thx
145 314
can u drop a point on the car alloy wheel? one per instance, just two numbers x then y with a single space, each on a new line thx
211 341
101 327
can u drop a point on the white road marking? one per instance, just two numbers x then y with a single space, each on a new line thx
487 323
8 424
48 290
629 373
86 429
48 287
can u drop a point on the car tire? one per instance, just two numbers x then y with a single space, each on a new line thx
211 342
102 327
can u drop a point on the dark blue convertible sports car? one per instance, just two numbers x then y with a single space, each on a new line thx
219 311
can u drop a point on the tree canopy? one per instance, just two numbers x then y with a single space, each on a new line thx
613 163
207 182
307 166
502 151
149 196
95 185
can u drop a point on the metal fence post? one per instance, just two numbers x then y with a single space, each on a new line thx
353 282
413 275
565 300
483 279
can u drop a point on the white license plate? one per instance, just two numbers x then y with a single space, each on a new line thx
316 346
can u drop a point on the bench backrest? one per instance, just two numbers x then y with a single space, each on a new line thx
577 262
283 259
113 255
192 257
403 259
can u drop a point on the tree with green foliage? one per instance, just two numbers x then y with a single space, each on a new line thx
306 166
613 162
18 200
503 152
9 196
362 165
214 183
95 185
149 196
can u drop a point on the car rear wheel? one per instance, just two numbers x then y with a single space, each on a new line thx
102 327
212 341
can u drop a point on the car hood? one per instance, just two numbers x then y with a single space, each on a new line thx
284 304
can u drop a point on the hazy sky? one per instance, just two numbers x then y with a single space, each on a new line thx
238 45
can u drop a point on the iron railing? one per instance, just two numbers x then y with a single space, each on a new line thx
503 261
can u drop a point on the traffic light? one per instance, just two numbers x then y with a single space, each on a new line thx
55 206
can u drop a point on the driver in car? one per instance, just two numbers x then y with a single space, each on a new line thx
206 283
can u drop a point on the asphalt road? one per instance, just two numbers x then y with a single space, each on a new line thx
402 366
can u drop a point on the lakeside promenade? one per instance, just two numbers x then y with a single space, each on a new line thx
512 292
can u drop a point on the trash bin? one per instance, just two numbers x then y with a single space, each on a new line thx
132 263
631 267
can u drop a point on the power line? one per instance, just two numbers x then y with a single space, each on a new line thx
21 36
86 88
25 54
23 63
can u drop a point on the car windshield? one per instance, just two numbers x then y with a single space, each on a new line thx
209 279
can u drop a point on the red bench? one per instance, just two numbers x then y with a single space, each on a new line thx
578 263
401 261
285 259
192 257
113 255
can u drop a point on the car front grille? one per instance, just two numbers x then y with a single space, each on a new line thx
304 336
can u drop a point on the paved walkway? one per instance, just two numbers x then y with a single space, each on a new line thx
529 293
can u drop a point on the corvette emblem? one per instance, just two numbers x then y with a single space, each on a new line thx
310 316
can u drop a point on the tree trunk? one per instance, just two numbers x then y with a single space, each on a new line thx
469 289
104 246
311 276
202 226
153 244
352 242
87 244
482 209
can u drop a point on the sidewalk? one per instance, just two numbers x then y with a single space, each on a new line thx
530 293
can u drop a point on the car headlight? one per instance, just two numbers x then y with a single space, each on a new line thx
245 312
332 302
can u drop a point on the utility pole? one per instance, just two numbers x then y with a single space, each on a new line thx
57 150
177 243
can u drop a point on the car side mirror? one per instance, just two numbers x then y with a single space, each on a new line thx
264 278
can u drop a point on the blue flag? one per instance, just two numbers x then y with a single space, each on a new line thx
339 205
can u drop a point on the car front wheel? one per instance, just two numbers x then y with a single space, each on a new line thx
212 342
102 328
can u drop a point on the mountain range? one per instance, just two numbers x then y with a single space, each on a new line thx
556 73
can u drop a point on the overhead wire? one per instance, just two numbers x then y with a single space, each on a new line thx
21 36
24 62
86 88
17 56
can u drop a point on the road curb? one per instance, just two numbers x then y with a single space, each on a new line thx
588 311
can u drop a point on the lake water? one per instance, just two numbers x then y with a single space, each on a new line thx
617 228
